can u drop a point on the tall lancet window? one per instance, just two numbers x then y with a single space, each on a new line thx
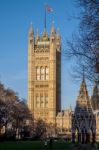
37 73
37 101
41 100
42 73
46 73
46 100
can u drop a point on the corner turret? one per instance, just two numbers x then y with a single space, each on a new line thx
37 36
95 96
53 31
31 32
83 93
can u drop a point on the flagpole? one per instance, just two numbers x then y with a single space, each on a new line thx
47 9
45 19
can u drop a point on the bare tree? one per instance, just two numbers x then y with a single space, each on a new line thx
84 47
40 129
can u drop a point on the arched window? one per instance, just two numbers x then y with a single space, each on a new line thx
46 100
41 100
42 71
37 102
46 73
37 73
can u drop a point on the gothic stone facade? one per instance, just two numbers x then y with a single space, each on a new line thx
44 75
64 123
44 90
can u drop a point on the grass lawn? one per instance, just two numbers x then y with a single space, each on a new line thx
32 145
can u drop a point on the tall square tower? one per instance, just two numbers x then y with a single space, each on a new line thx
44 74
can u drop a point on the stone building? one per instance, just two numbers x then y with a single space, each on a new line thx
44 90
44 81
63 122
44 74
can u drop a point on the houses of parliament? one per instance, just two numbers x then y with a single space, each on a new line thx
44 83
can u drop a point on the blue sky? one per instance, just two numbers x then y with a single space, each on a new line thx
15 19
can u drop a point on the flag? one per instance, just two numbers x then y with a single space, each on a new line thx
48 8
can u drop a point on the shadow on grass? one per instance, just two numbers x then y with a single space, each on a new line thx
33 145
30 145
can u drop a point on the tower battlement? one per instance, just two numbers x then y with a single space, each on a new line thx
44 40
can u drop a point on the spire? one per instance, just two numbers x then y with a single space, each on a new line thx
58 32
45 32
37 35
45 35
83 93
37 32
53 31
70 108
95 96
95 89
83 88
83 104
31 32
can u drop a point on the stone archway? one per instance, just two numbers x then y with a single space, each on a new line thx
88 136
79 137
83 136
